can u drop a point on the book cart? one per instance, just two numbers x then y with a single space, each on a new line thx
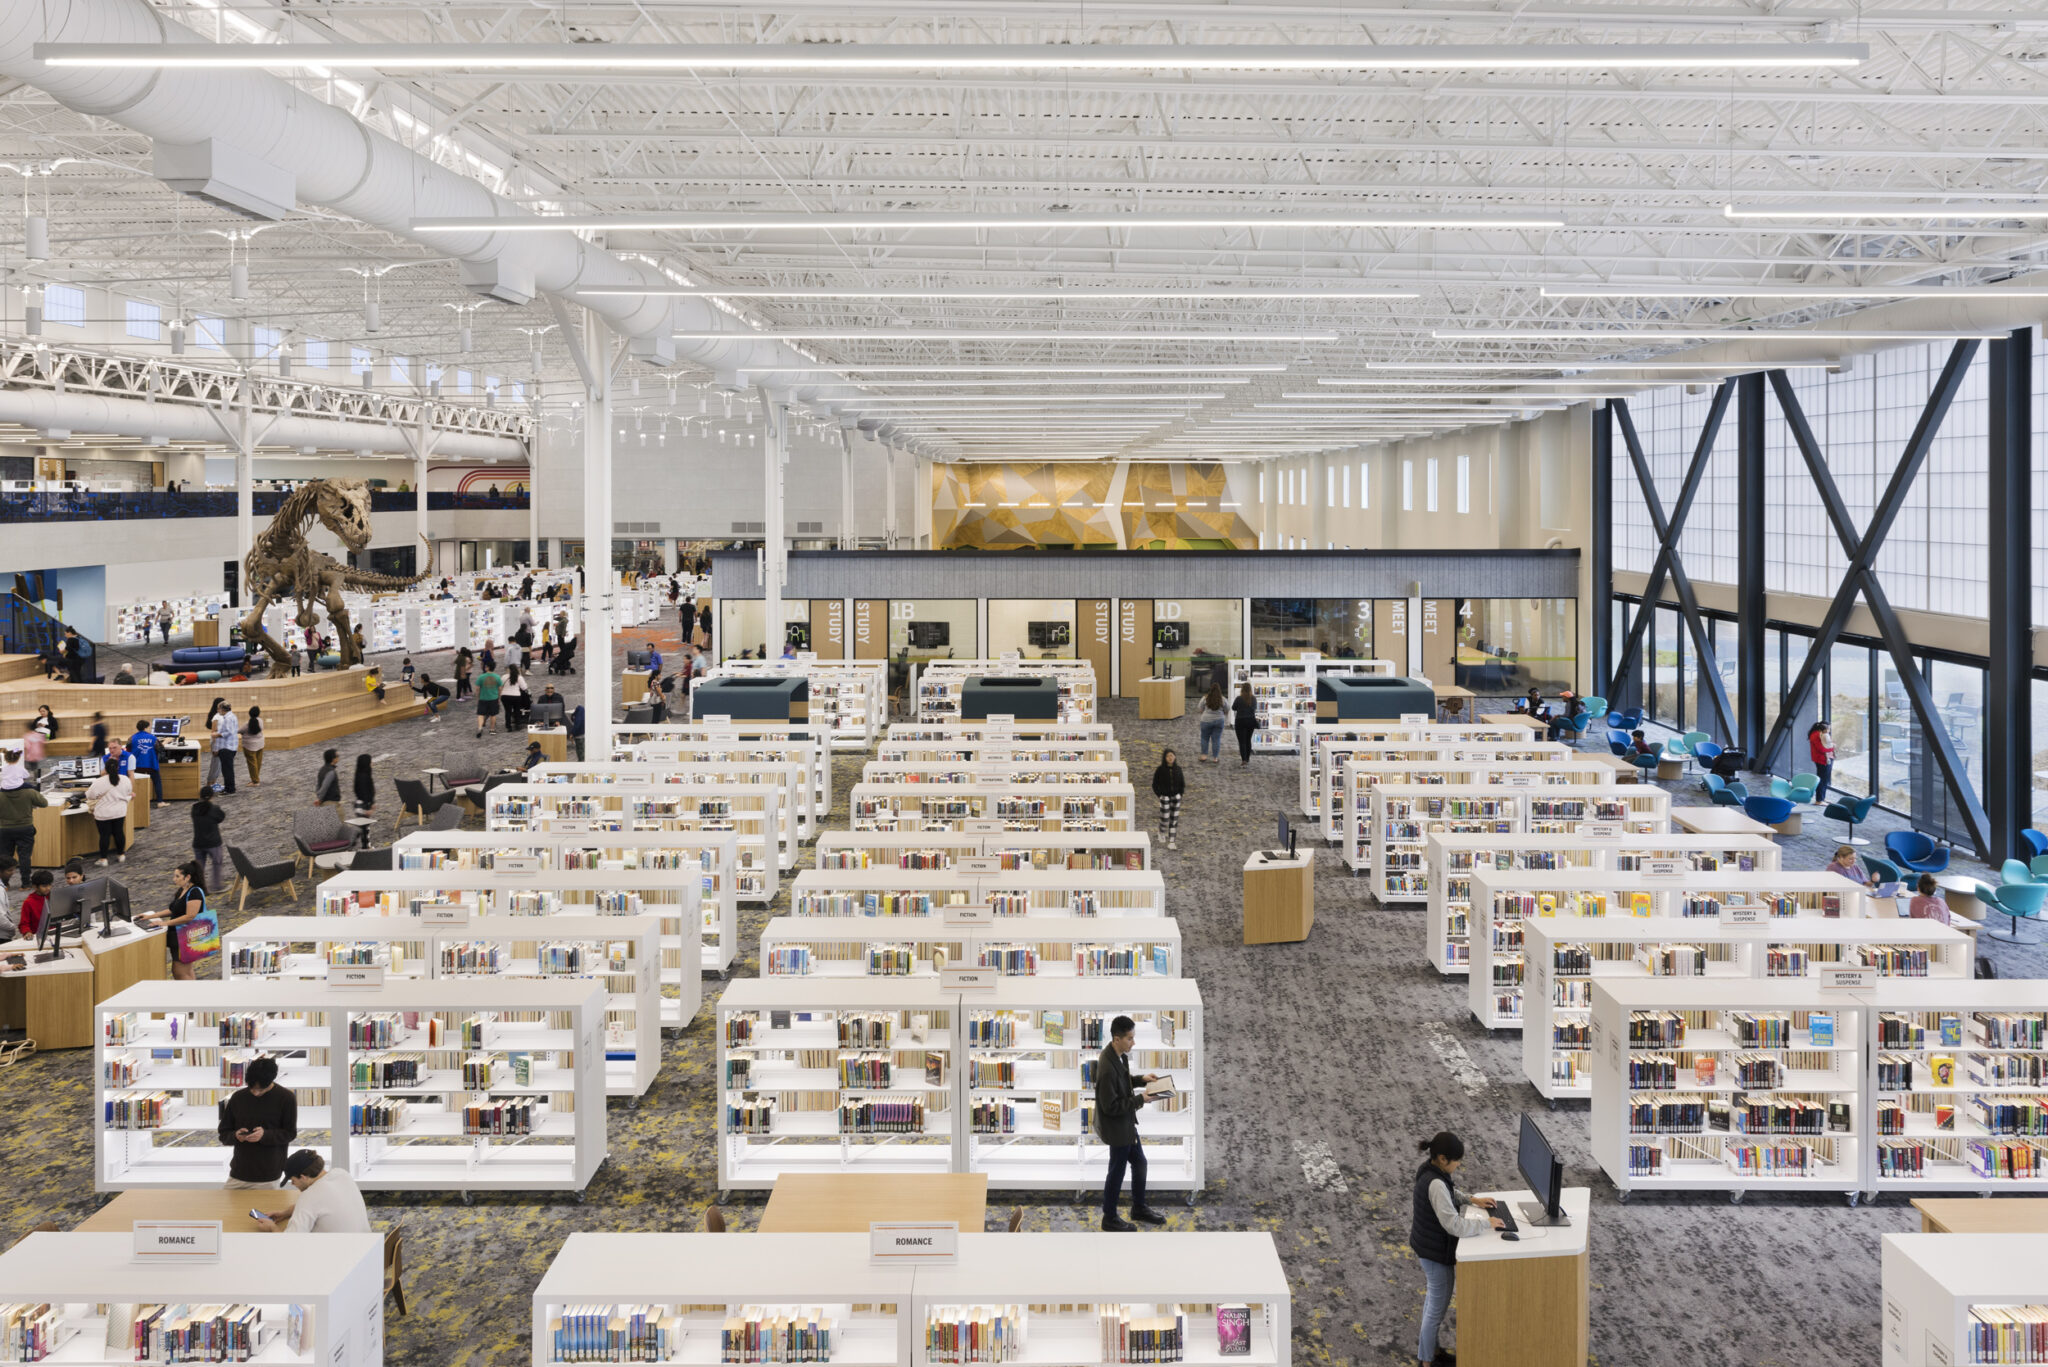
1075 1298
796 816
1963 1298
1352 810
1318 737
1016 849
1450 859
849 698
620 952
1513 899
481 1084
1403 817
1019 806
748 813
1045 946
305 1301
970 896
1285 694
696 743
706 861
937 685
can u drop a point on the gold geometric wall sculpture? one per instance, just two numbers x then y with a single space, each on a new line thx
1087 505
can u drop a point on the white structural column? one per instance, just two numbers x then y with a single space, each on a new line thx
774 544
1319 500
532 495
422 444
599 581
245 481
889 516
1269 507
846 520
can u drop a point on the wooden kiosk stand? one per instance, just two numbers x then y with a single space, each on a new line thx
1523 1304
1162 699
1279 899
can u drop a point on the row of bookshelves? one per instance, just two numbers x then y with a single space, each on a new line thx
1024 732
1429 758
937 685
136 623
962 895
999 750
1285 694
1360 834
1049 946
493 1083
795 811
1042 850
1404 816
997 771
1449 858
701 743
750 814
1319 738
1006 806
849 700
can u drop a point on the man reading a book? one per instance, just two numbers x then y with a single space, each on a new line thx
1117 1100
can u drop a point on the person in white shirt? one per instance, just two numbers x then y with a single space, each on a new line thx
109 797
329 1202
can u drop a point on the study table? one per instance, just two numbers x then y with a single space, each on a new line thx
847 1203
1975 1215
231 1208
1718 821
1524 1304
1511 719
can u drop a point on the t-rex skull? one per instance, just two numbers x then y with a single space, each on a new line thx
345 511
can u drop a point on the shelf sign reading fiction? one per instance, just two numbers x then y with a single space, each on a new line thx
981 825
969 914
516 863
444 913
177 1241
979 863
571 825
355 975
960 978
913 1241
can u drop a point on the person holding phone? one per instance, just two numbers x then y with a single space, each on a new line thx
1442 1216
329 1201
260 1121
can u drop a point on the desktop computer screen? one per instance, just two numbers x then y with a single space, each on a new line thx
90 767
62 769
1542 1170
167 726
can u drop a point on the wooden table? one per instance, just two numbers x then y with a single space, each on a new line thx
231 1208
181 777
52 1003
63 834
1624 772
1718 821
1526 1304
120 963
1162 699
1511 719
847 1203
1279 899
1453 702
1975 1215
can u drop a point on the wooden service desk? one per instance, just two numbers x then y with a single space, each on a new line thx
120 963
1975 1215
1524 1304
1162 699
1279 899
231 1208
181 770
847 1203
64 833
51 1003
554 741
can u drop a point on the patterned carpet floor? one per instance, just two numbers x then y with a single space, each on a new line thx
1327 1060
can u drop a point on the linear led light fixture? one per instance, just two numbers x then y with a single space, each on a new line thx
870 335
1715 335
1164 400
1048 368
1716 366
885 385
858 221
2034 209
1079 295
1799 292
1409 396
570 58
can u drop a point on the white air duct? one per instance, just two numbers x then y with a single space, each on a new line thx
38 247
47 411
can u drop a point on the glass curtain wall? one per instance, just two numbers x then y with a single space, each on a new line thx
1510 645
922 629
1036 628
1282 628
1197 637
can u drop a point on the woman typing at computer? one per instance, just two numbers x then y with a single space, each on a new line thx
1440 1218
193 933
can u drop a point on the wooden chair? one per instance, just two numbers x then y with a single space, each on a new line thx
394 1268
46 1227
1016 1219
714 1220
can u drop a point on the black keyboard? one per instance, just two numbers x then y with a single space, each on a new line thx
1501 1213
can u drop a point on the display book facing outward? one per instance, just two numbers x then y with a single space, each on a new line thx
1045 946
1405 815
903 1075
849 698
461 1085
1596 846
1318 738
1284 692
847 850
1018 1298
937 684
85 1298
618 952
1957 1300
966 897
599 809
1351 815
1018 806
704 862
796 819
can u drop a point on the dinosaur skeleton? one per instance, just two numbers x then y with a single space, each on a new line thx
281 565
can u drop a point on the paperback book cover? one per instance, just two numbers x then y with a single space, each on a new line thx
1821 1026
1234 1330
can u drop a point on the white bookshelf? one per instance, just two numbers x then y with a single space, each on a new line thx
1070 1281
1285 692
779 1077
135 623
672 896
1322 737
849 698
703 862
992 751
1029 732
796 814
384 632
1005 1027
884 894
998 771
1348 792
479 623
1044 946
319 1302
1450 859
1130 850
430 626
1949 1299
747 812
1631 1067
558 1027
1821 904
1404 816
622 953
694 743
937 685
1019 806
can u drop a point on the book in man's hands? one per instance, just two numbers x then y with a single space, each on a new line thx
1159 1086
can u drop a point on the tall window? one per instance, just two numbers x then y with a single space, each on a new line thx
1330 493
64 304
145 320
1464 484
1347 488
1262 484
265 341
316 354
1364 494
1287 486
1407 486
209 334
1430 505
401 370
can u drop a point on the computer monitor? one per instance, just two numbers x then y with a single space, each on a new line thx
91 767
1544 1173
1048 635
1170 636
167 726
96 899
547 714
930 635
1287 838
61 770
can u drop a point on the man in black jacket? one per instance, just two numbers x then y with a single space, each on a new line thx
1117 1100
260 1120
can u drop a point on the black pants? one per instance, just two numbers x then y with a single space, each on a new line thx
1120 1157
113 836
1244 741
19 841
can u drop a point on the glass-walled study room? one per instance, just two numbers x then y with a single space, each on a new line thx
1196 638
1508 646
741 623
924 629
1340 628
1035 628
